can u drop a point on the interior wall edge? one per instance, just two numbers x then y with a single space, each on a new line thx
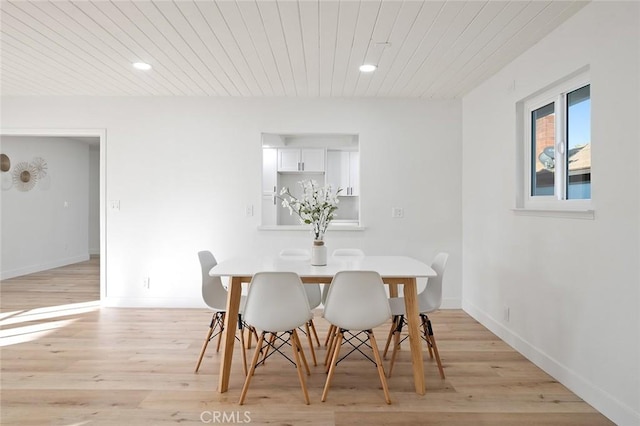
5 275
601 400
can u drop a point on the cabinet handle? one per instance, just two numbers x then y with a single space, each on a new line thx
302 164
274 200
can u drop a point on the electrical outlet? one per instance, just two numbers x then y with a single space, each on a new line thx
248 210
146 282
397 212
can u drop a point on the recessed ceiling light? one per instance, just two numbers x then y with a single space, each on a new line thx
141 66
368 68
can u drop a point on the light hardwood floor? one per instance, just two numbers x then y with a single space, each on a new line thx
66 361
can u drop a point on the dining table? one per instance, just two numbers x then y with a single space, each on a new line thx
394 270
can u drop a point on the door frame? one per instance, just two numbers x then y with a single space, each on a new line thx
102 135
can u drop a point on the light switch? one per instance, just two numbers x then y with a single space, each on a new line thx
115 204
397 212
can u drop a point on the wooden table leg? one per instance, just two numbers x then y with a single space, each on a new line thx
393 289
230 326
411 305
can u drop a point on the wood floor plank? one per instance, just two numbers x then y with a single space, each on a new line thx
67 361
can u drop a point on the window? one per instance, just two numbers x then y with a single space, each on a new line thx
326 158
556 132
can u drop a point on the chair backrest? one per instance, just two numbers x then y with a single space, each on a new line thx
430 298
342 253
314 294
276 302
357 301
295 253
213 292
348 252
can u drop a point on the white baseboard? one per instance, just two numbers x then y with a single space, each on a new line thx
602 401
451 303
5 275
153 302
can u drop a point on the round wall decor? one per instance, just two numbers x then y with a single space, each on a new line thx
5 162
24 176
40 165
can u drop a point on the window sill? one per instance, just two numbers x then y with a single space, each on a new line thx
567 214
332 227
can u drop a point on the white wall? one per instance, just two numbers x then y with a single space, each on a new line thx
38 231
183 170
572 286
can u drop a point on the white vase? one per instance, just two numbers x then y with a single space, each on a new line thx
318 253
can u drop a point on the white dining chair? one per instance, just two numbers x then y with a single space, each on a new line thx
314 296
356 303
429 300
349 252
277 305
341 253
214 296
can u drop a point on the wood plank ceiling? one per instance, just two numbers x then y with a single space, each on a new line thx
284 48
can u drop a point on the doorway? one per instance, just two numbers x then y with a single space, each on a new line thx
95 142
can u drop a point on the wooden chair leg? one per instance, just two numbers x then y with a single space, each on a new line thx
222 315
254 361
332 340
425 333
386 346
396 348
331 350
332 368
432 340
272 339
204 348
244 351
297 350
216 321
255 334
376 355
313 352
302 356
315 333
329 335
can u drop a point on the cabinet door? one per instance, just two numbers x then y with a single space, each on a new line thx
288 160
354 173
312 160
269 169
338 170
269 209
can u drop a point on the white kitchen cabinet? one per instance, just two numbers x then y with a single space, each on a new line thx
269 170
269 186
343 171
301 160
269 209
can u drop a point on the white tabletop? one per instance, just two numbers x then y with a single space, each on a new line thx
386 266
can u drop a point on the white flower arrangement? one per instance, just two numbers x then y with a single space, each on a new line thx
316 207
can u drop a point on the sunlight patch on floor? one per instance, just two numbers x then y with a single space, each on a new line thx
50 314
